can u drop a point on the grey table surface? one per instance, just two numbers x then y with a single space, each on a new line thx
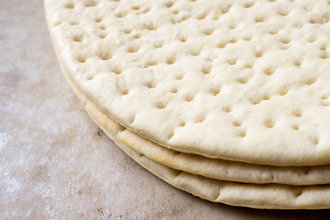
56 163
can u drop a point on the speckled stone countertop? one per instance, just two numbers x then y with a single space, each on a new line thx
56 163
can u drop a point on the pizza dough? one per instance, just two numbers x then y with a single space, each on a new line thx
232 80
206 94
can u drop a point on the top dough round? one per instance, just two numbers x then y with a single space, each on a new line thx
238 80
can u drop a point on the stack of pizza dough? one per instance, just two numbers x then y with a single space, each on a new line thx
227 100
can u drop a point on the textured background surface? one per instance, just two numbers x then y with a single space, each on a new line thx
56 163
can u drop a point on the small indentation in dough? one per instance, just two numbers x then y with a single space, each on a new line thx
221 45
124 92
285 40
81 59
171 60
182 124
158 44
283 91
207 69
256 101
325 104
324 97
273 32
324 55
182 38
269 71
227 109
150 85
150 26
312 21
103 35
78 38
73 23
105 56
259 53
226 9
190 98
137 36
169 4
233 26
247 38
269 123
91 4
242 80
146 10
117 70
259 19
295 127
69 5
208 31
216 17
310 81
200 119
232 61
90 78
265 97
161 105
195 52
297 62
297 113
150 63
233 40
215 91
174 90
175 12
126 31
98 20
119 15
249 65
242 134
136 7
183 18
237 123
249 4
311 39
283 12
57 23
102 27
179 77
133 49
201 16
315 141
323 47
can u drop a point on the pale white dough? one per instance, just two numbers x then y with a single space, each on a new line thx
236 80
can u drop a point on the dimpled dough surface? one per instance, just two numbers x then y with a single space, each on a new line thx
238 80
